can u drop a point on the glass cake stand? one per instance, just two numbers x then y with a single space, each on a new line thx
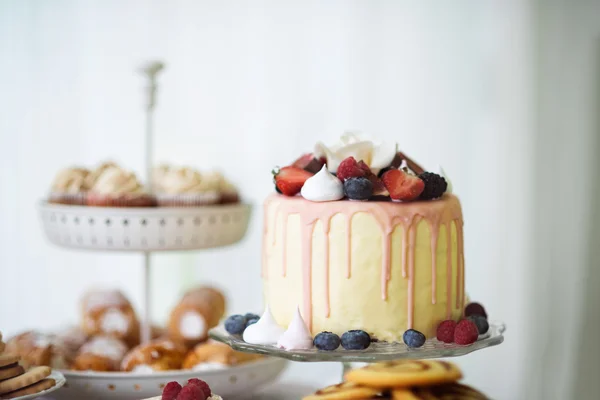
378 351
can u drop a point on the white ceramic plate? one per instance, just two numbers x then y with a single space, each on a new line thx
144 229
60 381
233 381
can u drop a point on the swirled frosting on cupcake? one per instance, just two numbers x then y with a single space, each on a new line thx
115 180
184 180
93 175
70 180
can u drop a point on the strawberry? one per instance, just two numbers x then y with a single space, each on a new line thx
309 163
349 168
289 180
378 186
402 186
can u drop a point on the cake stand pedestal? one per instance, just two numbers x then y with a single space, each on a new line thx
378 351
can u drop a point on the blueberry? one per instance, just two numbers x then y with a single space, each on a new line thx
482 324
327 341
235 324
413 338
356 340
250 316
251 321
358 188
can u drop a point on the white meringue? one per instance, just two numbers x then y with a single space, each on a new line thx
442 173
323 186
297 336
264 331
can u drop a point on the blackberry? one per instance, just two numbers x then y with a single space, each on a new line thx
435 186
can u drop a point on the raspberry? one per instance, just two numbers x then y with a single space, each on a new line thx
475 309
466 332
191 392
202 385
445 331
349 168
171 391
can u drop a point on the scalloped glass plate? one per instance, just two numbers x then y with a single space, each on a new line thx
378 351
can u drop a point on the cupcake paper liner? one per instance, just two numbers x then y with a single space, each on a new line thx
123 200
78 199
188 199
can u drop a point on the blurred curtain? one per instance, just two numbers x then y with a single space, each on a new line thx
564 314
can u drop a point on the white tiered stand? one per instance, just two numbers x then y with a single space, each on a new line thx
148 230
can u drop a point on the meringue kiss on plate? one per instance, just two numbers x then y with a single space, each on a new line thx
265 331
297 336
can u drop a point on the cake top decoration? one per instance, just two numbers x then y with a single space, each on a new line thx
357 168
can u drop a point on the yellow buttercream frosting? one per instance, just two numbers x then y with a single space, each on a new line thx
366 299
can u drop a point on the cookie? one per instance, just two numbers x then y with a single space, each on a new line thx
31 389
10 371
344 391
30 377
8 359
405 373
454 391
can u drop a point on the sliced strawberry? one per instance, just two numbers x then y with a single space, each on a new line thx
349 168
402 186
289 180
309 163
378 186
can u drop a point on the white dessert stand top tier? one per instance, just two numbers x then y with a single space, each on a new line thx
144 229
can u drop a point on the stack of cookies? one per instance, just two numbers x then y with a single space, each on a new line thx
402 380
16 382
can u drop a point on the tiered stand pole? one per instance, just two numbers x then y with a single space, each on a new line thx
151 71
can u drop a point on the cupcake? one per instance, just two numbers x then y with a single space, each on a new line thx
69 187
115 187
228 193
184 187
93 175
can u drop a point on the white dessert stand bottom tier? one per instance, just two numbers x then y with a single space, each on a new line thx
242 379
58 378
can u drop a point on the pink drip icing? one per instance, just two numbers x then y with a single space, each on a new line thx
348 246
404 251
459 265
434 239
388 216
448 270
412 231
326 226
386 266
284 246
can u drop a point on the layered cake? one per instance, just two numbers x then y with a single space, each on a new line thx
359 236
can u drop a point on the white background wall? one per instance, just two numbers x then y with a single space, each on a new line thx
250 85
